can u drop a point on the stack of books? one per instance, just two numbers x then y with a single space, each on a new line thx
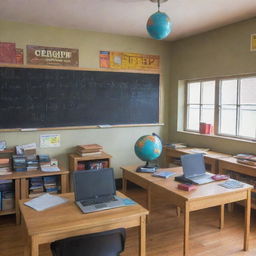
248 159
32 163
44 160
36 187
50 184
19 163
90 149
6 195
5 166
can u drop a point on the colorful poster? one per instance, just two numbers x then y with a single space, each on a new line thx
7 52
49 140
132 61
253 42
42 55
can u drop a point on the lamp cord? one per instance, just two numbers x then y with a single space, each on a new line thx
158 5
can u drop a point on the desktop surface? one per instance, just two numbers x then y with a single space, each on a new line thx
68 216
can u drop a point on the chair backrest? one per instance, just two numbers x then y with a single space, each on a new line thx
107 243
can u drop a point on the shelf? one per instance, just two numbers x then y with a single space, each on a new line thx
7 212
7 151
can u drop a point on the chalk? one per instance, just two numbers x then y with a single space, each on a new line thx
104 126
28 129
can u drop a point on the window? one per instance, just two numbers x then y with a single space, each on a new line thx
233 112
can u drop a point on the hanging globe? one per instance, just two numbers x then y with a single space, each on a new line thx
159 25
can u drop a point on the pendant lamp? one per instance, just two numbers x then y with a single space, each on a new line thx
159 25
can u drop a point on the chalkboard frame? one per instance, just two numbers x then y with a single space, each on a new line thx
160 123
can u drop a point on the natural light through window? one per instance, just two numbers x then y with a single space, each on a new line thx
232 111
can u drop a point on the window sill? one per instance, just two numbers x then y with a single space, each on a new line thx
218 136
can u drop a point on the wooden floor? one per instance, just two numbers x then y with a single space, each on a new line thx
164 232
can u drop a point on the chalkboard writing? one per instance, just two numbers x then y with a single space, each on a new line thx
41 98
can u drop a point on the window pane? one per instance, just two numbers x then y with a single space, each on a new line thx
193 93
228 91
207 114
248 91
228 120
247 125
208 92
193 118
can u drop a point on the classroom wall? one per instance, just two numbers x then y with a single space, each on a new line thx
221 52
118 142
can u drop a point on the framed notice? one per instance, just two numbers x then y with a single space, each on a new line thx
42 55
253 42
7 52
132 61
49 140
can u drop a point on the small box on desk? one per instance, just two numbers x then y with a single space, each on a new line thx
186 187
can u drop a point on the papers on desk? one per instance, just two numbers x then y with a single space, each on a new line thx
45 201
50 169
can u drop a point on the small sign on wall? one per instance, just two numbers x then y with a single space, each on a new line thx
49 140
42 55
253 42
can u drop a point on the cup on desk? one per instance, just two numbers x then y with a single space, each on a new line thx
205 128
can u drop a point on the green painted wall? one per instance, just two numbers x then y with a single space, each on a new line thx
118 142
221 52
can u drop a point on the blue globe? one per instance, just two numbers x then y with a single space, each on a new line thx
148 147
159 25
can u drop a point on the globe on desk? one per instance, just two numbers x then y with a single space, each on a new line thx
148 148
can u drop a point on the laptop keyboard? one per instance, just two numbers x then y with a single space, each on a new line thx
98 201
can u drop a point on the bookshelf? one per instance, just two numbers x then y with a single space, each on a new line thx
21 186
75 160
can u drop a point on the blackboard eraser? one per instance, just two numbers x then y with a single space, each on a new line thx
28 129
105 126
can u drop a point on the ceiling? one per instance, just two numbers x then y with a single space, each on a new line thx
128 17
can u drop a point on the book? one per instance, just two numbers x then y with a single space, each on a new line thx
247 162
186 187
89 148
163 174
176 145
249 157
89 153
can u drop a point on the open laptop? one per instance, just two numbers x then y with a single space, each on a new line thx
194 169
95 190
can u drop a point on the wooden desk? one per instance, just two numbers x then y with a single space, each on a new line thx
231 164
211 157
67 220
205 196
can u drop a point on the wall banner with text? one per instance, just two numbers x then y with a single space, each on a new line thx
42 55
133 61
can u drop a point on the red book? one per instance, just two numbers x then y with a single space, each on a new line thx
186 187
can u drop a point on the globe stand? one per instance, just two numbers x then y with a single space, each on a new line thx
147 168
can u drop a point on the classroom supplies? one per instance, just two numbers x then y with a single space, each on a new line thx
163 174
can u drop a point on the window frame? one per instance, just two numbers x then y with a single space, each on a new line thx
217 105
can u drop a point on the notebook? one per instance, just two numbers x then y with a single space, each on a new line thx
95 190
194 169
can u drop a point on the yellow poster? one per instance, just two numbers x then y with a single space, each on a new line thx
133 61
253 42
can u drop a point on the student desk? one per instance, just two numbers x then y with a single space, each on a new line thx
211 157
67 220
207 195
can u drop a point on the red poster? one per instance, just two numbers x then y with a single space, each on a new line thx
7 52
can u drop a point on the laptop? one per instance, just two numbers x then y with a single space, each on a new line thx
194 169
95 190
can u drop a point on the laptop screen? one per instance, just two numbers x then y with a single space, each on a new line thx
193 165
91 184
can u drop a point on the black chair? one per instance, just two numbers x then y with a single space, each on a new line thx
108 243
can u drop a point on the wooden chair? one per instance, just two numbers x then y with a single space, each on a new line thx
107 243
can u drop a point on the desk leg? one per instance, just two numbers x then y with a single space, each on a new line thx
142 236
17 198
186 229
34 247
247 220
64 183
124 185
222 215
25 239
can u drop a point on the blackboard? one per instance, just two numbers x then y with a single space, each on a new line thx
41 98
